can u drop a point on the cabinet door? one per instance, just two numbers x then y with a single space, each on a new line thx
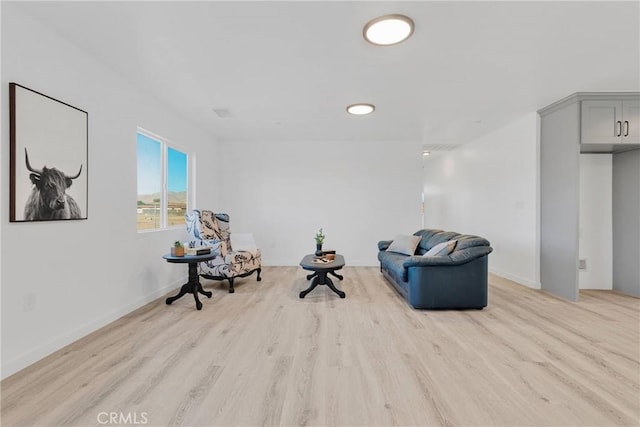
631 122
601 122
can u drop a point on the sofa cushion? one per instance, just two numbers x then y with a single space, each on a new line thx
442 236
384 244
430 238
392 262
425 235
468 241
443 248
404 244
457 257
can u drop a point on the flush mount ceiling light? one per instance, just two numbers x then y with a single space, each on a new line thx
388 30
360 109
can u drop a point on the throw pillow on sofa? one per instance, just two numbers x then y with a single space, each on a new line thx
404 244
441 249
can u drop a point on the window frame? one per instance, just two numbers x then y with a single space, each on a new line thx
165 144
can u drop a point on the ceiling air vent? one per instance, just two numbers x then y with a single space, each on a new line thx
222 113
439 147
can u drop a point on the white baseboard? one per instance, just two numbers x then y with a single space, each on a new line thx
12 366
521 280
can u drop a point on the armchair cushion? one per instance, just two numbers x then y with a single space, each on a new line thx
243 242
196 236
209 228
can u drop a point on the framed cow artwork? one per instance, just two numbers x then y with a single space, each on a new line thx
48 158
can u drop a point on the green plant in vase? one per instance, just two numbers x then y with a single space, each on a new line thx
319 237
177 249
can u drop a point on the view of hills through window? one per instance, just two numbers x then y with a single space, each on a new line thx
151 198
177 186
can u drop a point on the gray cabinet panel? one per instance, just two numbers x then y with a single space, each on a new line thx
559 201
610 121
631 122
626 222
601 122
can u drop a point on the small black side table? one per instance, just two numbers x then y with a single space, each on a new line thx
193 286
321 269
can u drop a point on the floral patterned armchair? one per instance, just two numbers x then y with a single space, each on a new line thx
206 228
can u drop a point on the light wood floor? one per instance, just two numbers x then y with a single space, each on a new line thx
262 356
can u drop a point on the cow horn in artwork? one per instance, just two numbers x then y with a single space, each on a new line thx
26 157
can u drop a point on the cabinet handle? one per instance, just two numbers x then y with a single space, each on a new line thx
626 127
619 128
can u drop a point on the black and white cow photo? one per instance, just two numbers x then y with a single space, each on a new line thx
49 198
48 158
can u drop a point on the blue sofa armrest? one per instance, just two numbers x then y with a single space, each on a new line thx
456 258
457 286
384 244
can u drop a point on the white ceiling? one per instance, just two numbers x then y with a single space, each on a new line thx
287 70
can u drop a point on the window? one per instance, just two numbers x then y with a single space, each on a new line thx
177 186
162 183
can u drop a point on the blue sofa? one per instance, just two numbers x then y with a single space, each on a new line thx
454 281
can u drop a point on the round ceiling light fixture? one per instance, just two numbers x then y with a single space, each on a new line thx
360 109
388 30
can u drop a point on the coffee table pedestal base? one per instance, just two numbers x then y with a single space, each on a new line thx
193 286
320 278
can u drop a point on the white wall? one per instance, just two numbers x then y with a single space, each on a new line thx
359 193
596 229
489 188
84 274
